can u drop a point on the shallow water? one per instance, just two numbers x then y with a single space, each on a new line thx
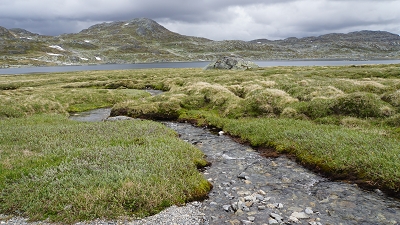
92 115
249 188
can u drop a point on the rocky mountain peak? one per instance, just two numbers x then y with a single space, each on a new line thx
5 33
146 27
22 32
142 28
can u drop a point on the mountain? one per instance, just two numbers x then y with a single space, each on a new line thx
359 45
144 40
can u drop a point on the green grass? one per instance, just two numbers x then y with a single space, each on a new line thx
338 151
343 121
68 171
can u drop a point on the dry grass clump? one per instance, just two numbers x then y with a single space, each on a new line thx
352 122
393 121
264 101
165 107
289 112
206 95
392 98
308 93
352 85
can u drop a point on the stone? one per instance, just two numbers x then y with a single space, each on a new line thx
239 212
231 63
228 195
213 203
250 198
251 218
261 192
261 207
249 204
234 222
248 182
277 217
293 219
243 193
308 210
272 221
300 215
243 175
235 206
226 207
259 197
315 223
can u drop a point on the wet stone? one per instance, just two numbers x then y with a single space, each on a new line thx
226 207
277 217
300 215
272 221
308 210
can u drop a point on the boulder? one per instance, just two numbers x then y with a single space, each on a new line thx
231 63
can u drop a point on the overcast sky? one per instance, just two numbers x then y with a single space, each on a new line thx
213 19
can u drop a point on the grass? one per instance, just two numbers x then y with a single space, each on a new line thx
342 121
68 171
342 153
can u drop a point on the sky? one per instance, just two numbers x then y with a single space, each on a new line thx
214 19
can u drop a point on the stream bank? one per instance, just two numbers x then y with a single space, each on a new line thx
252 189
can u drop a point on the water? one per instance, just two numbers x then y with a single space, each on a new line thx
92 115
28 70
238 172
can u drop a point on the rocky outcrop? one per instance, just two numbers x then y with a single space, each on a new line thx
231 63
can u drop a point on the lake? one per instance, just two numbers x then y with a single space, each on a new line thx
51 69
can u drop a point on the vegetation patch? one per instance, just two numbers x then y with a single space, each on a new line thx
342 121
68 171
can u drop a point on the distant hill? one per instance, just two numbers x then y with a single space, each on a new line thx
144 40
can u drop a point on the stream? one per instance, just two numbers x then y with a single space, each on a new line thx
252 189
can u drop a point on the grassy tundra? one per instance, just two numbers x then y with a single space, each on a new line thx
341 121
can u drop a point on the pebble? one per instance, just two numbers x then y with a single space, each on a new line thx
308 210
272 221
226 207
277 217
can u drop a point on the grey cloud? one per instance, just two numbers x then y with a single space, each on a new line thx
222 19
